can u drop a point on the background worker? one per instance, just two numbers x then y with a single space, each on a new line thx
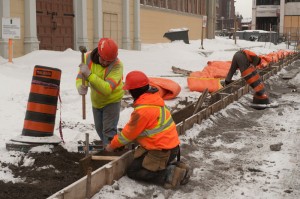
246 61
151 125
103 72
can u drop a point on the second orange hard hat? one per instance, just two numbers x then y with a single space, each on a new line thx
135 79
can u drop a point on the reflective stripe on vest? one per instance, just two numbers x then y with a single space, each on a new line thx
122 139
107 70
162 125
112 84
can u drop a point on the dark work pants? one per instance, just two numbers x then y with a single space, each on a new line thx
137 172
106 121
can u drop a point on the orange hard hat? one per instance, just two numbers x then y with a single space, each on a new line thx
135 79
107 49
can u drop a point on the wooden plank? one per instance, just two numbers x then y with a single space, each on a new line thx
200 101
177 70
216 107
103 176
109 158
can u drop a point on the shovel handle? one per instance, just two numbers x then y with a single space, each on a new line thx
83 51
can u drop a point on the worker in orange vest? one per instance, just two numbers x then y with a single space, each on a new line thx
246 61
152 127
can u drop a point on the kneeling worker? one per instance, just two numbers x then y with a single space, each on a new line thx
246 61
151 125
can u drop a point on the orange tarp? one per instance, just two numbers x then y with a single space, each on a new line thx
265 60
200 84
214 69
168 89
209 77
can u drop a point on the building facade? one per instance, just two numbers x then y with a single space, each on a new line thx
62 24
225 15
282 16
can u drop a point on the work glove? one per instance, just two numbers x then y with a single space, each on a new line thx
82 90
108 148
84 69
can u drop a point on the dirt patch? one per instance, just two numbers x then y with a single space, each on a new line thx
50 173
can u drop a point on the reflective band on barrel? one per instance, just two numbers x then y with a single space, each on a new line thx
43 89
259 88
42 108
248 71
38 126
253 79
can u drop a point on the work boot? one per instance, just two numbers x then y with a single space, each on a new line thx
187 175
174 176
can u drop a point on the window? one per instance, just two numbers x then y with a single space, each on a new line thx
268 2
189 6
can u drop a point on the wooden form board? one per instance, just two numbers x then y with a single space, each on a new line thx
116 169
105 175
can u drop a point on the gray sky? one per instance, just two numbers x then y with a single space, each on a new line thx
244 7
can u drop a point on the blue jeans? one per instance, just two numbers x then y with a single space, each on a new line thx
106 120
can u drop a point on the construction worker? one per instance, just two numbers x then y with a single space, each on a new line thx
103 72
152 127
246 61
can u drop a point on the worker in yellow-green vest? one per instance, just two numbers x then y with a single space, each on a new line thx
103 72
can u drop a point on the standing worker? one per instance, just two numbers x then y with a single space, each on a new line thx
103 72
152 127
246 61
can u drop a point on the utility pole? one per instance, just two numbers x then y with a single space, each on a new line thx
235 24
235 28
222 19
204 22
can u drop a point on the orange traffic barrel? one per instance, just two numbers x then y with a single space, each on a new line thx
42 102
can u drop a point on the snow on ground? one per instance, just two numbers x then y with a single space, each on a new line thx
155 60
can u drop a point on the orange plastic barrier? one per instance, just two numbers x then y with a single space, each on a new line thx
168 89
265 60
274 57
214 69
200 84
42 103
217 69
209 77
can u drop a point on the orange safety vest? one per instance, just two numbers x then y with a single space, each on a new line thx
151 125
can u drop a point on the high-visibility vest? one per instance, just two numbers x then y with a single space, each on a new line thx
163 136
105 82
